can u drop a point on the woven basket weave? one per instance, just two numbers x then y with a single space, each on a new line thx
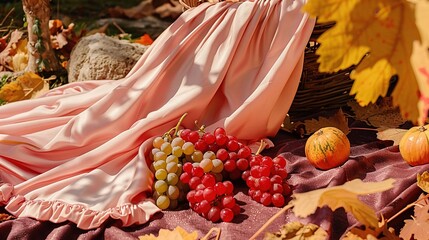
320 91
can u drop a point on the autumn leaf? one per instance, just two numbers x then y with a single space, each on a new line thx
5 217
145 39
393 134
423 181
144 9
172 9
337 120
420 59
12 92
344 196
378 37
381 232
5 55
418 227
20 59
178 234
29 85
33 85
298 231
59 34
382 115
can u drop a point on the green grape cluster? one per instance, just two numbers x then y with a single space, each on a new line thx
167 155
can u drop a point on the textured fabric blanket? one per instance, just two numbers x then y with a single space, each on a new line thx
370 160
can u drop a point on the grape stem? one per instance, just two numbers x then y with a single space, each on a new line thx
261 147
176 129
210 233
271 220
200 128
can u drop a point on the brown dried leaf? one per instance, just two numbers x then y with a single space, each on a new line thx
5 55
423 181
382 232
173 9
5 217
144 9
394 134
381 115
418 227
178 234
309 126
343 196
298 231
338 120
59 34
297 128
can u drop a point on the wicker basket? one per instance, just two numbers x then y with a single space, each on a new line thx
320 91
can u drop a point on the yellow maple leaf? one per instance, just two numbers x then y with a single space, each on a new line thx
420 59
377 36
345 196
29 85
12 92
33 85
178 234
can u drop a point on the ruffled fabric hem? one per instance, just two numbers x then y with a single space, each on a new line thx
58 211
6 190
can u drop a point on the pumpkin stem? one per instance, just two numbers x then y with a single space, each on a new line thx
422 128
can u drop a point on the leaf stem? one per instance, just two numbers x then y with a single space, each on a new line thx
283 210
406 208
210 233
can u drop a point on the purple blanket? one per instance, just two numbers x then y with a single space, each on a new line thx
370 160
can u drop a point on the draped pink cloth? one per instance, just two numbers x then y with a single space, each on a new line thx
79 152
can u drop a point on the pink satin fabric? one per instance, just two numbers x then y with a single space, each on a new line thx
79 153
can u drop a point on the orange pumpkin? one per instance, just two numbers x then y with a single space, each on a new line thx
327 148
414 145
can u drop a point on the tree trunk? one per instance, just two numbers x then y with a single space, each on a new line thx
41 57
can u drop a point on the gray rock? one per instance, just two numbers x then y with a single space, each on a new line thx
100 57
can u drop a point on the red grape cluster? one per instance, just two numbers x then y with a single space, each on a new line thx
266 180
212 199
205 162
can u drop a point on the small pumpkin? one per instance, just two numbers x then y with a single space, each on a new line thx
327 148
414 145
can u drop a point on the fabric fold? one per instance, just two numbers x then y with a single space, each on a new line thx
85 145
